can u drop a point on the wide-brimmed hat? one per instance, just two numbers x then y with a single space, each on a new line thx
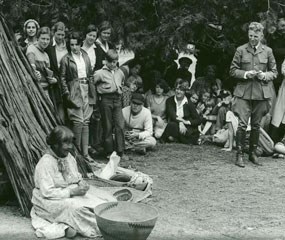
137 98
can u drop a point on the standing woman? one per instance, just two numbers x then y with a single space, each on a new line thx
277 130
39 59
56 51
78 91
89 43
90 48
31 27
183 119
103 43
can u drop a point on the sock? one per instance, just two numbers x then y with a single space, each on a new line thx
77 131
85 139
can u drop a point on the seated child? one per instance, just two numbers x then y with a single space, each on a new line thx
208 117
203 98
223 105
193 97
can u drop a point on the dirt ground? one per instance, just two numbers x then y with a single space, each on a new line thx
200 194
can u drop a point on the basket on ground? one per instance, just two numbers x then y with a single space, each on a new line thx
125 220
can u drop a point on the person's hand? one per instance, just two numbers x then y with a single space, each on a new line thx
180 119
133 135
205 116
182 128
38 75
251 74
159 120
52 80
84 185
261 76
78 191
69 103
201 108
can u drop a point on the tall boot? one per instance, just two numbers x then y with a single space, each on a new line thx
253 143
240 138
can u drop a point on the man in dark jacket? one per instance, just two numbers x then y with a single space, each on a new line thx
254 68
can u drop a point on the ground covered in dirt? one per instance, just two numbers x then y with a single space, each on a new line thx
200 194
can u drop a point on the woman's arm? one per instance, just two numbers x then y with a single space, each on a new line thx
171 110
194 117
283 68
63 73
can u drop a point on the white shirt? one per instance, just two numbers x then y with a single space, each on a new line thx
179 107
91 54
81 68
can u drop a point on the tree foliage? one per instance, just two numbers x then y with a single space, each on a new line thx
216 27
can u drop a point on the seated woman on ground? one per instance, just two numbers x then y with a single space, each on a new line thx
60 194
183 119
156 103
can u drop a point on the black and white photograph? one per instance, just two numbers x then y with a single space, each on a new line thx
142 119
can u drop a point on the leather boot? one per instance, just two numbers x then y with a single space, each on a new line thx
253 142
239 157
253 156
240 138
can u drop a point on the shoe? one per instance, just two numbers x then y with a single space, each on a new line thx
70 232
239 158
92 151
89 159
141 151
171 139
254 159
239 162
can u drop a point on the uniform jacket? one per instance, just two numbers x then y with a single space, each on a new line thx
69 79
245 59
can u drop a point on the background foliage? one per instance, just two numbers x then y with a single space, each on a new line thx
155 27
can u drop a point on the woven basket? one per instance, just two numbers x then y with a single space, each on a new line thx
125 220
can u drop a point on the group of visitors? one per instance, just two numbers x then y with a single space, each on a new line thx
108 108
